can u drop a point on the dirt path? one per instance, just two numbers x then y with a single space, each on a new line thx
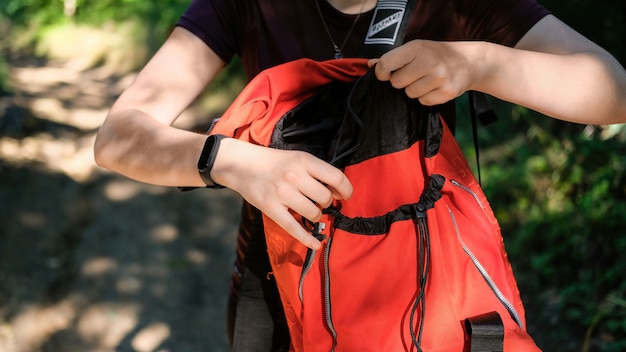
92 261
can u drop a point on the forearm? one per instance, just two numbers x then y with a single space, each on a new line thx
135 145
585 87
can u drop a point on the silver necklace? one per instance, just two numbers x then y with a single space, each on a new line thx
338 49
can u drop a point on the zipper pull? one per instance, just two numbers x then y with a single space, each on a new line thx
318 227
316 232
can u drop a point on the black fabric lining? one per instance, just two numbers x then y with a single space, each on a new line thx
433 136
380 225
391 120
341 115
312 125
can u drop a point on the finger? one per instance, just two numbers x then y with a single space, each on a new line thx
383 70
432 90
393 61
341 195
285 220
303 206
335 180
371 62
317 192
308 183
435 97
420 87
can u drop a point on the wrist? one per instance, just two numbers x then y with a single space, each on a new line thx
485 59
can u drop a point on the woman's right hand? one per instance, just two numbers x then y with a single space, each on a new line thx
277 181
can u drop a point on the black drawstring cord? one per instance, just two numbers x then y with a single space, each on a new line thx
423 262
431 193
356 118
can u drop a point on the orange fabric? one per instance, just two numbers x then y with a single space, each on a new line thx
275 91
373 278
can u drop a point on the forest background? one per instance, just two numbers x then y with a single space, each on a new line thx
558 190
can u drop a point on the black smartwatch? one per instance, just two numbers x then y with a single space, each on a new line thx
207 158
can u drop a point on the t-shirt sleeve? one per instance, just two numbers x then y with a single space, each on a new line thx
500 21
214 22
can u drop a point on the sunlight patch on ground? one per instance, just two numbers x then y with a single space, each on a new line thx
71 157
122 190
196 257
106 324
98 266
150 337
34 325
129 285
120 47
81 118
39 80
165 233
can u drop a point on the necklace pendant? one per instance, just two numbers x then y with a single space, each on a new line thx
338 53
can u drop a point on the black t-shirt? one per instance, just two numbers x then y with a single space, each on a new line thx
265 33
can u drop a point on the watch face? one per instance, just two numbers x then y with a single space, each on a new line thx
207 158
209 144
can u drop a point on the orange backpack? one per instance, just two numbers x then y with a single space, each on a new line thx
414 261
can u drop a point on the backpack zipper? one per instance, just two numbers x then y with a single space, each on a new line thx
468 190
501 297
306 268
327 304
310 258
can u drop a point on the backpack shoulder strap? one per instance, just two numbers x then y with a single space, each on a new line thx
388 27
480 110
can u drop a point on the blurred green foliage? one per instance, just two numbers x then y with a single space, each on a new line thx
558 189
158 15
559 192
4 77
